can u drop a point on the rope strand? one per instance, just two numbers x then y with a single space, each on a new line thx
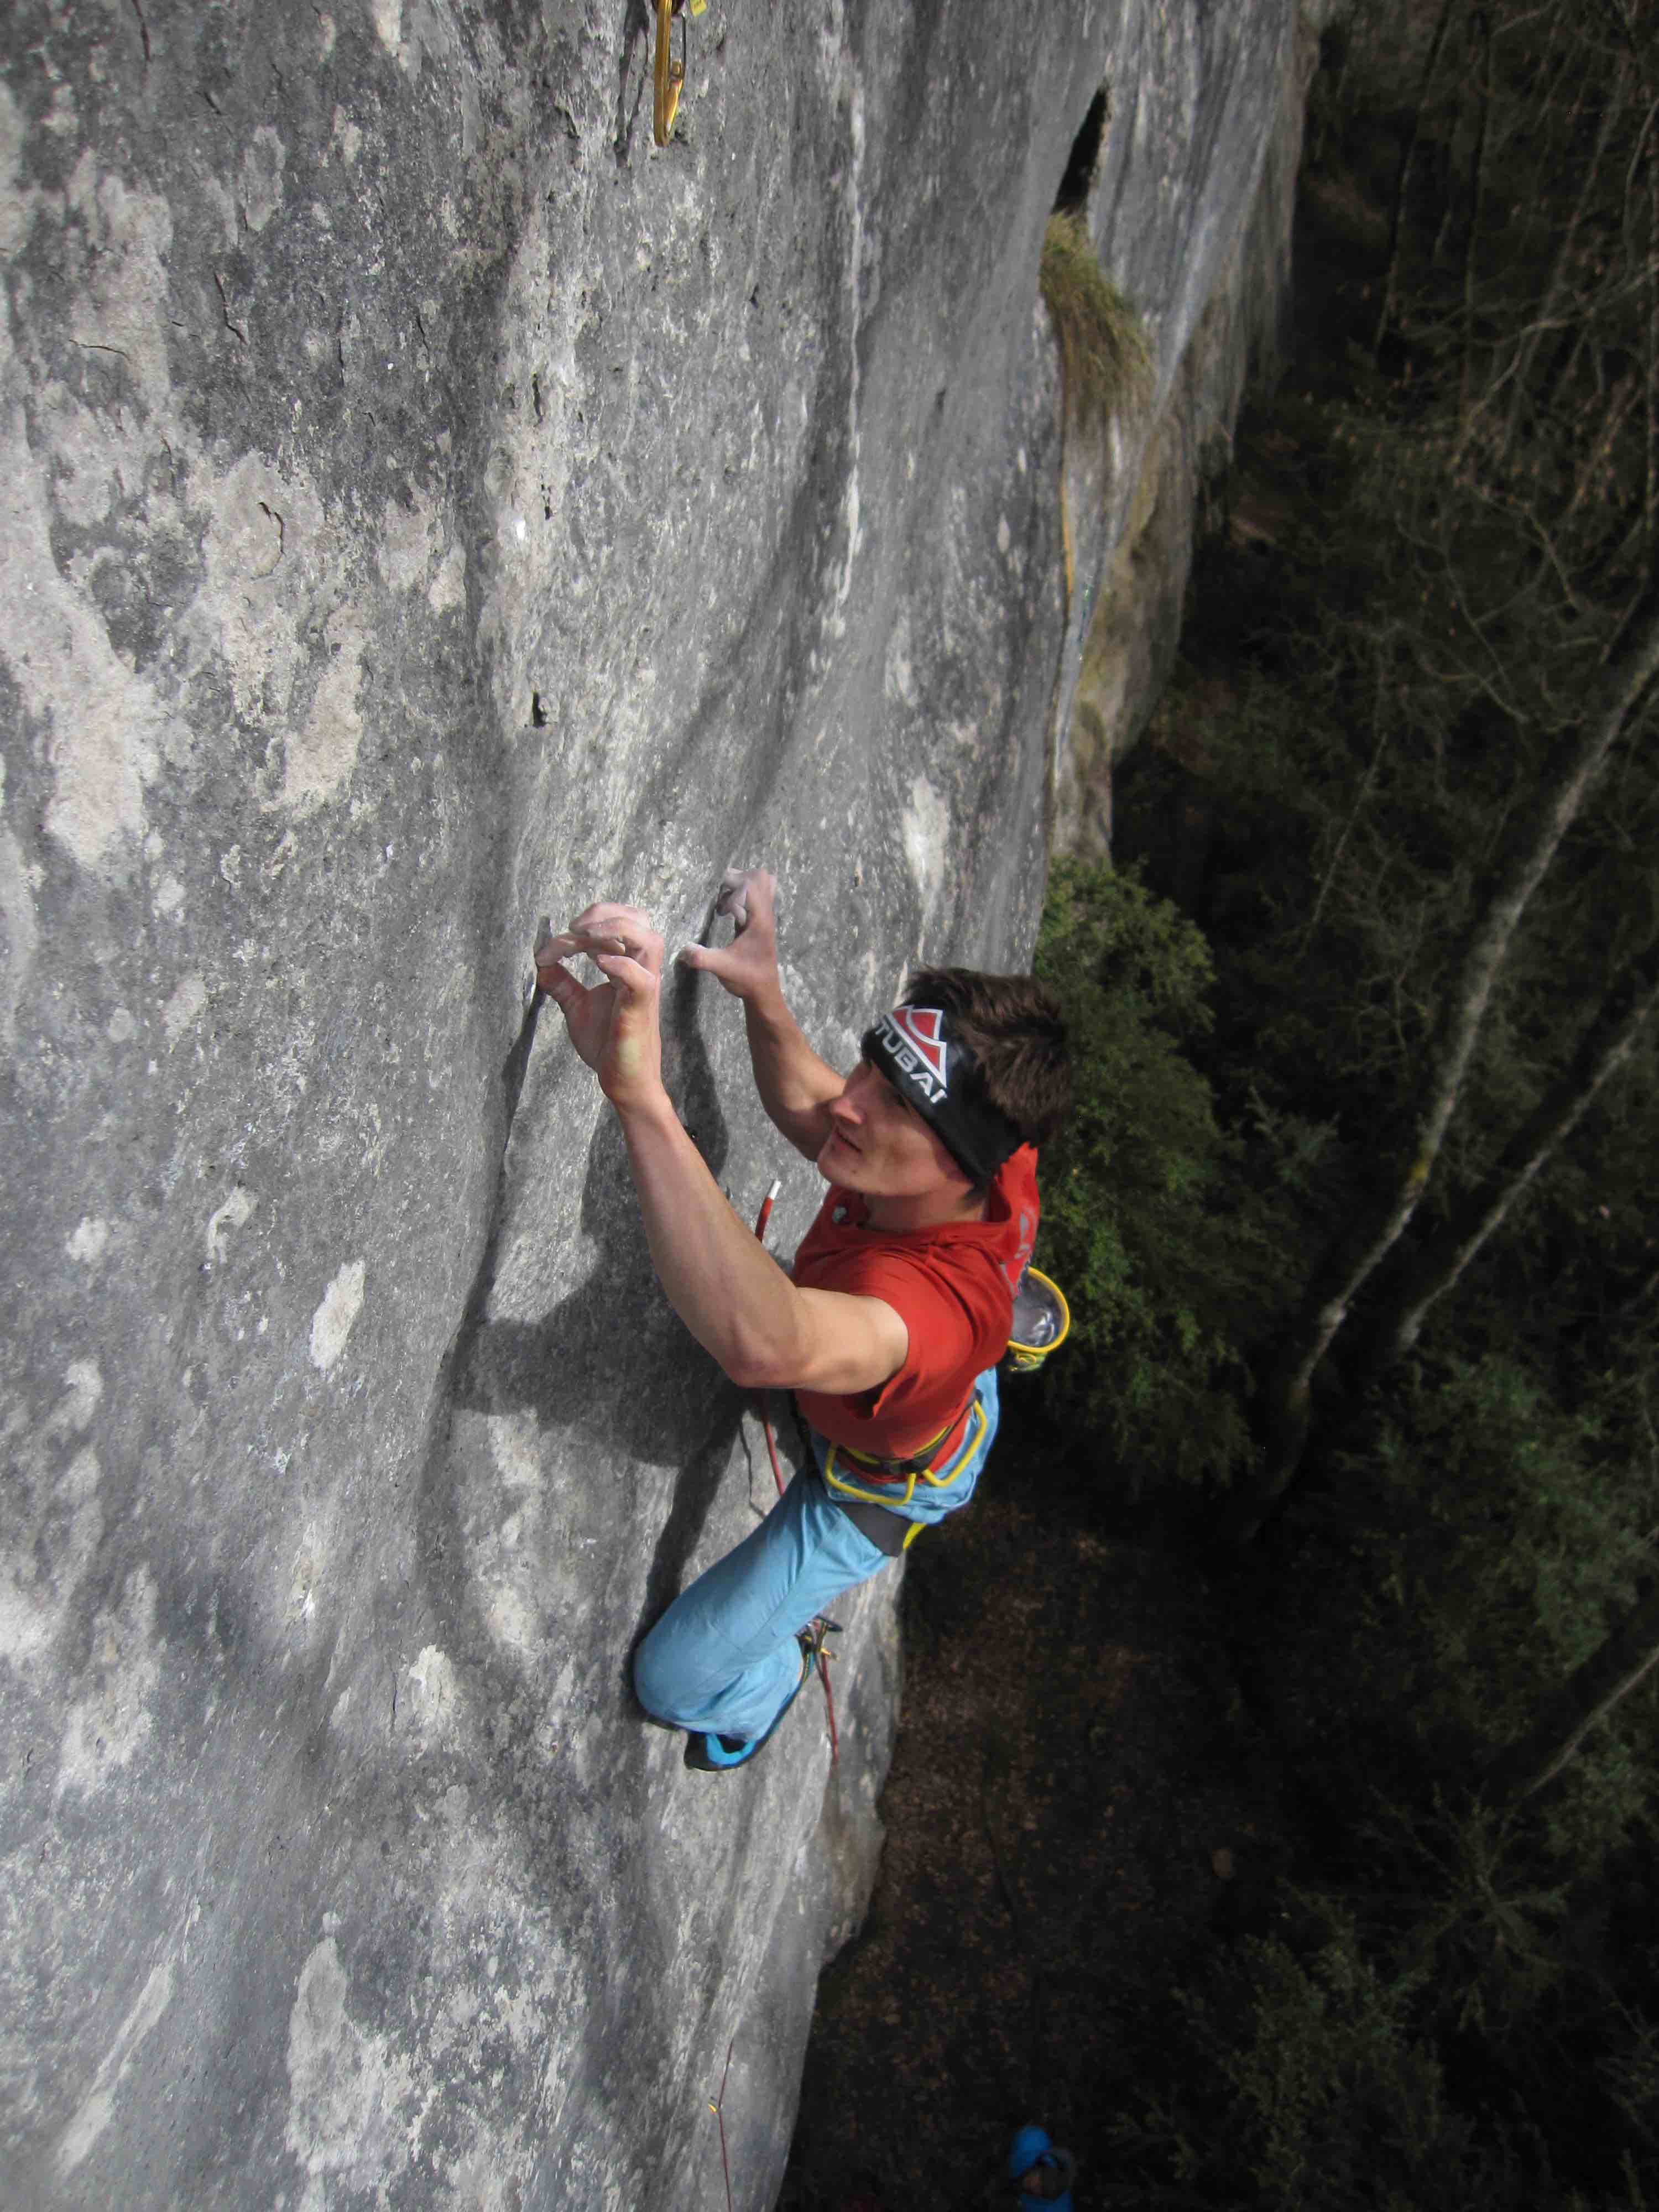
820 1647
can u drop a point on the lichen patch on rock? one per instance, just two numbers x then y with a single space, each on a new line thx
97 2109
350 2089
336 1317
111 1721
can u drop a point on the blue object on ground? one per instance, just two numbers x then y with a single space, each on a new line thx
1032 2153
1027 2148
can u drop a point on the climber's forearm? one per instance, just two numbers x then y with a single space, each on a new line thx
795 1086
731 1294
728 1291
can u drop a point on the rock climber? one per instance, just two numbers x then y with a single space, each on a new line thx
898 1308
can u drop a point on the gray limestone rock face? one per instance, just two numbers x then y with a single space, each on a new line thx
1134 622
425 504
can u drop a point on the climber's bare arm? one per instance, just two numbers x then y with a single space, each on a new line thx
732 1295
795 1086
733 1298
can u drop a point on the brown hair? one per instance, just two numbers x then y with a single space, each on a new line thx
1013 1027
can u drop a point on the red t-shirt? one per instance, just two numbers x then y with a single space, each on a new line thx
953 1286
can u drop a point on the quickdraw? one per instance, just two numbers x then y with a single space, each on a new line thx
817 1644
669 77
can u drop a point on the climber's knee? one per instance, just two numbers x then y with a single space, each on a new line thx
657 1683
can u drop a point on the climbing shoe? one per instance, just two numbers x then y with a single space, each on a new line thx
713 1754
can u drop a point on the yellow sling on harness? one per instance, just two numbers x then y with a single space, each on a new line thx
976 1426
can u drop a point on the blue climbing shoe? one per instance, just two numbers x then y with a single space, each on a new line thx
718 1755
713 1754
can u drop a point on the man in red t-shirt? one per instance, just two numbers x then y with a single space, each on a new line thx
899 1306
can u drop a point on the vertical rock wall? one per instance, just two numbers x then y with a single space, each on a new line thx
424 504
1134 623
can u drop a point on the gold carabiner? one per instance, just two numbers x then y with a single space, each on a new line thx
670 76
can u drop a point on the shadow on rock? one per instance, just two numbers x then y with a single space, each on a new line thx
637 25
611 1360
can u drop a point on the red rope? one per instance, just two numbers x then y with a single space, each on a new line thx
761 1221
777 1472
765 1213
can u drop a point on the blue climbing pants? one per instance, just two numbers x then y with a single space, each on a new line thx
723 1660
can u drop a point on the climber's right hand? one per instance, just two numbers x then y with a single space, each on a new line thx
615 1025
748 966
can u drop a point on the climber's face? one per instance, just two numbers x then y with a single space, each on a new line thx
881 1147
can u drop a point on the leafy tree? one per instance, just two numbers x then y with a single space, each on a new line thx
1619 1665
1299 2078
1133 1225
1364 1242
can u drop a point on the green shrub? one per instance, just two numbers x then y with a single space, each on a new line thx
1470 1548
1133 1225
1297 2081
1104 347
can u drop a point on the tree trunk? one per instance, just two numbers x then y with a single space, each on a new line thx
1477 205
1588 1695
1573 320
1602 1050
1402 181
1355 1253
1559 311
1650 503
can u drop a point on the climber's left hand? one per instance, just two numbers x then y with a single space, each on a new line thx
615 1025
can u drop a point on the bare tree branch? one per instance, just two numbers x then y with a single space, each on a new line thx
1604 1048
1588 1695
1558 310
1408 163
1477 198
1356 1253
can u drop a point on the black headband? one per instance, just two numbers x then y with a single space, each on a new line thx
927 1064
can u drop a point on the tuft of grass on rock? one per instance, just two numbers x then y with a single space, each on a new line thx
1105 354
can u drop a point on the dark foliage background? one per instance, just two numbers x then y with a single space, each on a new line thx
1442 539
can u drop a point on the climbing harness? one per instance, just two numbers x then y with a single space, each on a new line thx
887 1472
669 77
1041 1323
